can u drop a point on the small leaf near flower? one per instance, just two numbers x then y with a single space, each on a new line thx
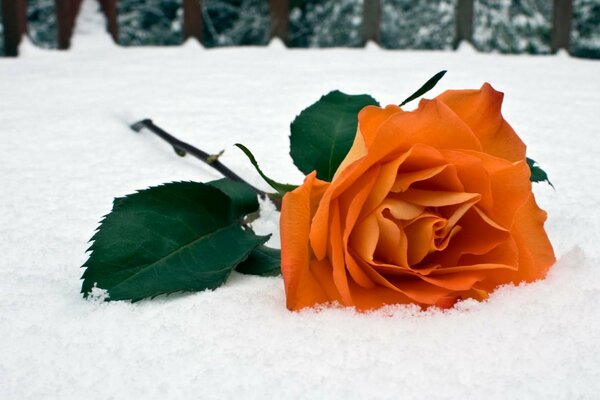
427 86
537 174
181 236
323 133
263 261
282 188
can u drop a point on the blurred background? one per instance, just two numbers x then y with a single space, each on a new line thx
502 26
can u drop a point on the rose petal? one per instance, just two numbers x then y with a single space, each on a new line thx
371 118
528 231
420 237
353 200
405 179
400 209
510 188
432 124
479 233
392 246
431 198
364 237
319 229
481 111
535 253
463 280
478 236
504 256
430 165
302 288
356 152
472 174
336 255
412 290
382 186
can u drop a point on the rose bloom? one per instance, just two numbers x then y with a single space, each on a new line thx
428 207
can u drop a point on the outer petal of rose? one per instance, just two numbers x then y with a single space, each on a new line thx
536 255
301 286
432 124
510 187
528 231
336 255
350 204
371 119
481 110
357 151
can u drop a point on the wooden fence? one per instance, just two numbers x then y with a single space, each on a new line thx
15 21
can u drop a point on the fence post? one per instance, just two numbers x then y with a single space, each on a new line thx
464 22
66 12
279 12
109 8
14 19
561 24
192 19
371 21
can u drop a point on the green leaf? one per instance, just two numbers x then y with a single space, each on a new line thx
243 198
537 174
282 188
180 236
324 132
263 261
427 86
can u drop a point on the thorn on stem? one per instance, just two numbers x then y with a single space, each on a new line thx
214 157
179 152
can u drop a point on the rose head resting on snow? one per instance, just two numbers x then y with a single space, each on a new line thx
425 207
428 206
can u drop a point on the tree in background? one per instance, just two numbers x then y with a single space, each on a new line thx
236 22
150 22
506 26
325 23
517 26
585 33
41 23
409 24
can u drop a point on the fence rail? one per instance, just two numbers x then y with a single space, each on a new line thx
15 21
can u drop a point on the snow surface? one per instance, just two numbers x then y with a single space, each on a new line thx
66 151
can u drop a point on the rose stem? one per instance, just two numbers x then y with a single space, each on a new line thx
182 148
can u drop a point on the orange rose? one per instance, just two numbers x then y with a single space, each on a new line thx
428 207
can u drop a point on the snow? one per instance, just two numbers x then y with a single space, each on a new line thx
87 36
66 152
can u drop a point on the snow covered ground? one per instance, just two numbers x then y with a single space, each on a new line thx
66 151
